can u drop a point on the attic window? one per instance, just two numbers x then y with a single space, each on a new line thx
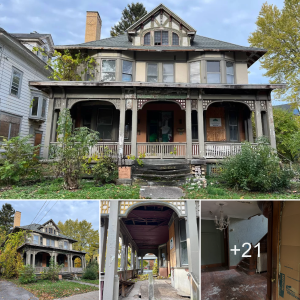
147 39
161 38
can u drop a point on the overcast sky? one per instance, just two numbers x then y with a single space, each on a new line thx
60 211
231 20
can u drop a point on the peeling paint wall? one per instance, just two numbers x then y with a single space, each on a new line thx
245 231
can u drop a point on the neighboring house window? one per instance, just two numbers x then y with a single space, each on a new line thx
16 82
233 126
127 70
195 72
65 245
213 72
36 239
183 243
175 39
38 107
168 72
152 73
229 72
108 70
9 126
161 38
52 243
147 39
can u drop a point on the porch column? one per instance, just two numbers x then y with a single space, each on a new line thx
137 262
258 123
54 124
103 238
188 128
121 128
126 260
33 259
122 264
250 129
69 264
201 129
142 264
192 238
111 263
134 127
49 123
271 123
28 254
132 259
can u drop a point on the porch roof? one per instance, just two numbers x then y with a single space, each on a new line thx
48 84
49 248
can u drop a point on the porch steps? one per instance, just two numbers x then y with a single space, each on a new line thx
167 172
67 276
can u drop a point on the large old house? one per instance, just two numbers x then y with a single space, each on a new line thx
23 108
163 92
45 241
164 230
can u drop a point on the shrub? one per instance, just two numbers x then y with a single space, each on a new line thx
255 169
92 271
27 275
52 272
155 268
19 160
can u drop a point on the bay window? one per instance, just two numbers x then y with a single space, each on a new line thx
168 72
127 70
229 72
213 72
38 107
152 73
195 72
108 70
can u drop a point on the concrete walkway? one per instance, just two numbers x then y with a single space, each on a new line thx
9 291
161 192
86 283
87 296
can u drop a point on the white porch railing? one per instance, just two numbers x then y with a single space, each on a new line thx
162 150
221 150
195 149
76 270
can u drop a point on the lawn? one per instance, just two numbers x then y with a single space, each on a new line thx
52 189
45 289
96 281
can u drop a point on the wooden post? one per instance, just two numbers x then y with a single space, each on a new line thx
188 128
134 127
201 129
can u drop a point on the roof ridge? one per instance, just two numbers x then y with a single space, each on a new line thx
111 37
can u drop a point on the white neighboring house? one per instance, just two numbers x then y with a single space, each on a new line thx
23 109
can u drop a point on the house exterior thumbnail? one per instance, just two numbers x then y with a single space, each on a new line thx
161 91
23 108
46 241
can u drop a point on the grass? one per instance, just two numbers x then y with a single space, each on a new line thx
96 281
52 189
45 289
215 190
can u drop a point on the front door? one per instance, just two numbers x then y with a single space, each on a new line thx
160 126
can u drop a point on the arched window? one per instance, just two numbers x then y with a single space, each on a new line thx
175 39
147 39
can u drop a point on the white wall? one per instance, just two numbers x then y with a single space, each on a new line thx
181 281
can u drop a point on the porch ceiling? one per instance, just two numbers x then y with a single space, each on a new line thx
233 209
148 225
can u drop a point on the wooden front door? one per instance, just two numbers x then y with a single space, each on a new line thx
37 142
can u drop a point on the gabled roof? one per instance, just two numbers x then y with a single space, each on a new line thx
155 11
33 35
53 224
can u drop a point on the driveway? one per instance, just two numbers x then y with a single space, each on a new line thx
9 291
87 296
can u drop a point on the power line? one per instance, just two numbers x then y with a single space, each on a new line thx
38 213
47 212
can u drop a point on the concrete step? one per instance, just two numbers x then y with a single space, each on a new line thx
163 167
153 161
142 171
149 182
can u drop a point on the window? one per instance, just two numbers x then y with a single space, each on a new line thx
147 39
229 72
52 243
50 230
194 125
48 242
16 82
105 116
9 126
36 239
168 73
108 70
195 72
41 241
60 245
65 245
213 72
46 229
54 231
233 126
90 75
38 107
161 38
127 70
183 243
175 39
152 74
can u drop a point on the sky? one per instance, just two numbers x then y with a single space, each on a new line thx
61 210
230 21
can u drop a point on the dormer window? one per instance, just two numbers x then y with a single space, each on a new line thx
175 39
46 229
161 38
147 39
50 230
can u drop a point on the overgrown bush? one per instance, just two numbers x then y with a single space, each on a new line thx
19 161
52 272
27 275
255 169
106 168
92 271
155 268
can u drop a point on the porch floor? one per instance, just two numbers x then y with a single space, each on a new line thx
232 284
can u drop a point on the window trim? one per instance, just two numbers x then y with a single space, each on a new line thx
116 68
41 97
149 32
20 83
16 116
220 72
233 67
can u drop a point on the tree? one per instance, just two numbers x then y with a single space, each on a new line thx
82 231
70 155
131 14
286 125
7 217
278 32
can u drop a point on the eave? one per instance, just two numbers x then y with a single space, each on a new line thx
49 247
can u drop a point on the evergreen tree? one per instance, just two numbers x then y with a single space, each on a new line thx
7 217
131 14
